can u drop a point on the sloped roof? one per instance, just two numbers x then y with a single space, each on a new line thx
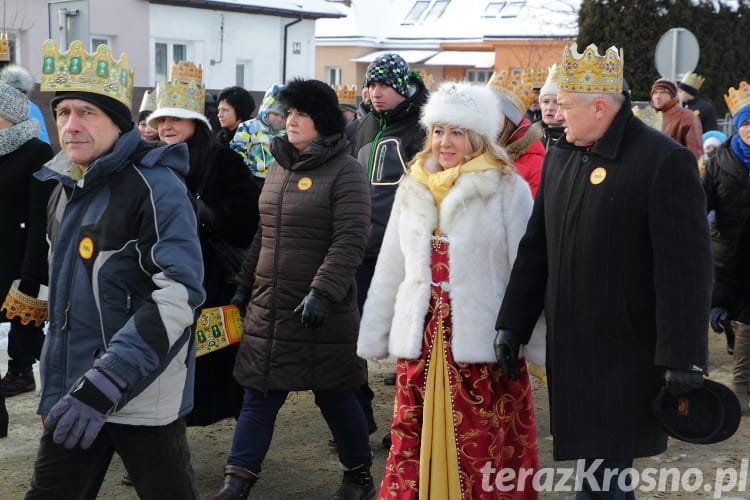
384 22
305 9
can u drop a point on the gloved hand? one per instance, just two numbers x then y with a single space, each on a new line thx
241 298
720 319
507 345
79 416
315 309
205 213
682 381
29 286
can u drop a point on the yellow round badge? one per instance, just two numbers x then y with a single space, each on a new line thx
86 248
304 184
598 175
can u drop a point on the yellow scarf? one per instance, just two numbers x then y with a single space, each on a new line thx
440 182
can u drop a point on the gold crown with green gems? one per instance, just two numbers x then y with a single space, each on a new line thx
183 89
590 72
78 71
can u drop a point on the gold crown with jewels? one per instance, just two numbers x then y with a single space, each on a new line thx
78 71
693 79
590 72
536 76
347 94
737 98
514 88
4 48
148 102
183 89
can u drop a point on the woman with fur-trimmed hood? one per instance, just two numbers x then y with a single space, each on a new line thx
441 274
297 292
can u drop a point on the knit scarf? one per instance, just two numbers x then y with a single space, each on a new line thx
16 136
441 181
739 147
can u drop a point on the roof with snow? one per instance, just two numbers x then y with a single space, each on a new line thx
431 22
304 9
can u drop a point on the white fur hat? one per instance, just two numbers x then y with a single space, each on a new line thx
471 107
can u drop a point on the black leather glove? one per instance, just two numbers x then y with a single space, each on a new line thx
29 286
241 299
720 319
315 309
682 381
507 345
204 212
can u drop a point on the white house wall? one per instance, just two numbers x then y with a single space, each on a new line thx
248 38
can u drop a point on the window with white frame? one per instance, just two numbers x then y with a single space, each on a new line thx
503 9
165 53
97 40
333 75
243 74
478 75
425 11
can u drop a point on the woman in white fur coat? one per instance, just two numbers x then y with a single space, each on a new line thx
440 278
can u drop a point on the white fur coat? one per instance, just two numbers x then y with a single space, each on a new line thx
484 216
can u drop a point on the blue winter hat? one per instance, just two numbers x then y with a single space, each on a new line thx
721 136
391 70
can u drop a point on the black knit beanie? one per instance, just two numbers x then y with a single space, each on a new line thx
117 111
240 99
318 100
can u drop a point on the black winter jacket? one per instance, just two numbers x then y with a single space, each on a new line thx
384 144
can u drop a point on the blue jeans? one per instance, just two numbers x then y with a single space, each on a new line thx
157 459
600 490
341 410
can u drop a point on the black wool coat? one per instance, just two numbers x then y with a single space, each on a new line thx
314 221
23 215
226 186
617 254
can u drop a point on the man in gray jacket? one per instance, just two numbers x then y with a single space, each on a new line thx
125 285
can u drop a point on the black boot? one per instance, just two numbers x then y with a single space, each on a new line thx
237 484
356 485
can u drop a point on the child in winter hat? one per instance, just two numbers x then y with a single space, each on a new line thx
391 70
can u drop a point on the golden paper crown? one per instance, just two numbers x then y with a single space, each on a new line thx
428 80
347 94
148 102
649 116
536 76
184 88
590 72
78 71
738 98
514 88
4 48
692 79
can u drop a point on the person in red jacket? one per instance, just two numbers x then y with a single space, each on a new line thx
518 136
